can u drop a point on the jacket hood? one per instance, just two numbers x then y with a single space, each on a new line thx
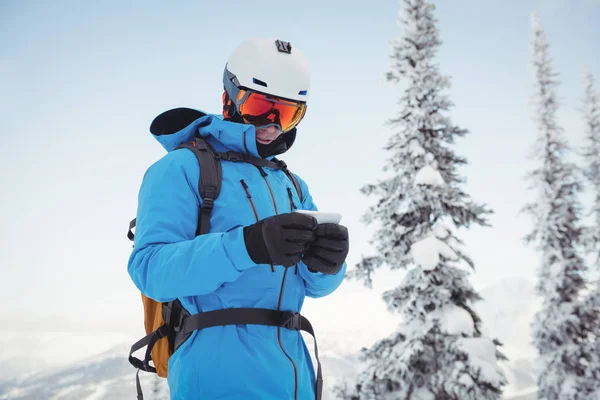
180 125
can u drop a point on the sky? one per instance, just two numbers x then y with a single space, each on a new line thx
80 83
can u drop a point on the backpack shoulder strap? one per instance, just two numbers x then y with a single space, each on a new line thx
295 183
209 185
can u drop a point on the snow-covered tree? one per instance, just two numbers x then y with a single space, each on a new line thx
561 330
591 116
438 351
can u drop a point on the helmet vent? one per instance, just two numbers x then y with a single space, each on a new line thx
259 82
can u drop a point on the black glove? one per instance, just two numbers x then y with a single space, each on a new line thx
280 239
328 252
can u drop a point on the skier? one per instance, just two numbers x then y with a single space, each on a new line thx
241 284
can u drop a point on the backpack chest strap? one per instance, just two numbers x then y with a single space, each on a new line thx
250 159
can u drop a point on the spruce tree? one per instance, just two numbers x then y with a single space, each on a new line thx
438 351
591 117
561 327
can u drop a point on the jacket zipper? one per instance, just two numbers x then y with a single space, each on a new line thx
279 337
291 197
292 208
264 175
251 200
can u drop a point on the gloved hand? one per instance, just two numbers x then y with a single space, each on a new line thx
280 239
329 250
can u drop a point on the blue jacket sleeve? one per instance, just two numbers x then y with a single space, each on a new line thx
317 284
169 260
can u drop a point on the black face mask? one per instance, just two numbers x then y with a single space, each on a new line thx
277 146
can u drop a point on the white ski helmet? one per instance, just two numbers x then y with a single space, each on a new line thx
268 66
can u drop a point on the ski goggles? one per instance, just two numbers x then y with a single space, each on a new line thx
262 109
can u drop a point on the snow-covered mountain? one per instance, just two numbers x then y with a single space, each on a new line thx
506 311
109 376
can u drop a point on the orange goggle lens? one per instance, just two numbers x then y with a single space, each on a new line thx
262 109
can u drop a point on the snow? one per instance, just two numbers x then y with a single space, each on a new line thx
100 391
55 349
482 356
457 246
454 320
446 251
65 392
441 231
69 379
13 393
427 251
507 309
466 380
422 394
430 159
415 149
535 22
557 269
429 176
570 387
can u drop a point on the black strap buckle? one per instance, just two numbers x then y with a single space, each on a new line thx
291 320
231 156
282 165
234 156
200 144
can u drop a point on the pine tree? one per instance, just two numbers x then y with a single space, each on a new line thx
438 351
561 328
591 115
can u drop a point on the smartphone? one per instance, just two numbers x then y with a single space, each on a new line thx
323 217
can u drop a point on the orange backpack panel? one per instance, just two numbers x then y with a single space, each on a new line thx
153 319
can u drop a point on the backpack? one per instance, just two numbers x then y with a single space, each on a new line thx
168 324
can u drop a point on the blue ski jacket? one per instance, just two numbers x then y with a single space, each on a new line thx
213 271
